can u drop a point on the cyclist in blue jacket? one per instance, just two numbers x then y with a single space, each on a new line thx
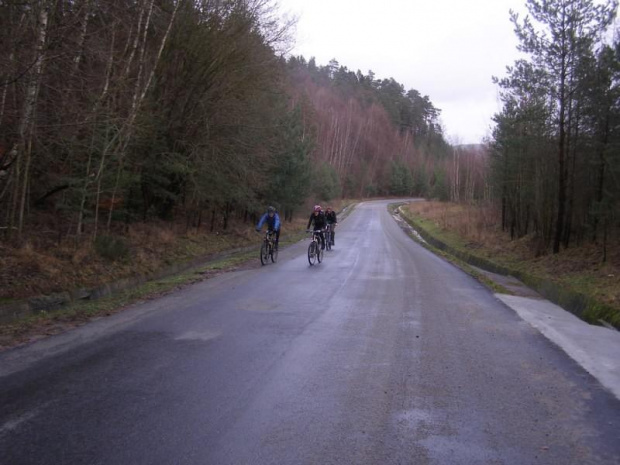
273 223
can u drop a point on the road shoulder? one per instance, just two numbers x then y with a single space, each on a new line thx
595 348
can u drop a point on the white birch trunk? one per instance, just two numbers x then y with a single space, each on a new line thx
32 92
82 39
142 95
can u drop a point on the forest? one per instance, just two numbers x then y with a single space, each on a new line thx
550 172
555 150
119 112
122 111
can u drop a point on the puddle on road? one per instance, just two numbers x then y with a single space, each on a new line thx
206 335
413 418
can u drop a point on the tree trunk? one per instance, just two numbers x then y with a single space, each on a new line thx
16 178
559 224
86 184
605 240
5 88
25 185
82 39
226 215
5 85
600 187
136 40
114 192
504 209
30 104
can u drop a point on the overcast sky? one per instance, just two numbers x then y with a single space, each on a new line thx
446 49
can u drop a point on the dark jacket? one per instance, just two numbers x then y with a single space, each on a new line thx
319 221
331 217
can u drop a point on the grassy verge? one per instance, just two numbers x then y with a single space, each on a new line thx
80 312
45 265
575 279
38 268
495 287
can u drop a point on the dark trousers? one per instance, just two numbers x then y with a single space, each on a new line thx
321 235
277 234
332 228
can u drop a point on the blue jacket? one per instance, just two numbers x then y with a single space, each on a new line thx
273 223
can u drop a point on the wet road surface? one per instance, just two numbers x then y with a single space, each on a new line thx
382 354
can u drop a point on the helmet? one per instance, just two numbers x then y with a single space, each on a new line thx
271 209
317 208
329 208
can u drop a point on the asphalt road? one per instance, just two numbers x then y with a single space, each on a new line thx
383 354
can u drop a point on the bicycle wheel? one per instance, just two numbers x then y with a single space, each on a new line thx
274 253
264 254
312 255
328 240
319 254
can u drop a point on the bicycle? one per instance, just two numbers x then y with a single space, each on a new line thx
328 237
314 249
268 249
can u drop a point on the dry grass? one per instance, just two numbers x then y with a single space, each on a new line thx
45 264
475 224
477 228
43 268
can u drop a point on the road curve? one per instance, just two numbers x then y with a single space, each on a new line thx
382 354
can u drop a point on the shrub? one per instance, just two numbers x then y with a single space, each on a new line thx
111 248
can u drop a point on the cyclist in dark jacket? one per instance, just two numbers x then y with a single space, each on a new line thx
330 217
318 218
273 223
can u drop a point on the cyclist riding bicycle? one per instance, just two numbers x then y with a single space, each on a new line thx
330 217
273 223
318 218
